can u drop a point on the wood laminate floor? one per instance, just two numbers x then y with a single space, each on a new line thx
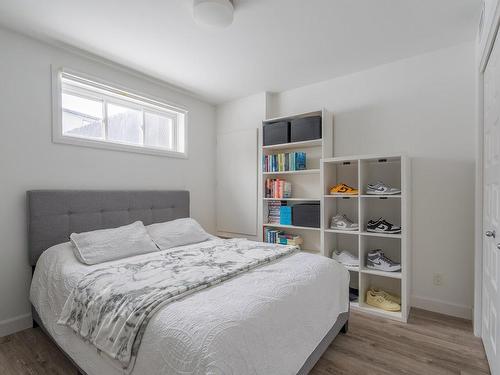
429 344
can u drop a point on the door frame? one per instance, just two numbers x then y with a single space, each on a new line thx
485 46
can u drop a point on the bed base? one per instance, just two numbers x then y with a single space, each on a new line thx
341 326
37 322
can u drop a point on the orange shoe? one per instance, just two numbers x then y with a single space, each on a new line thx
343 189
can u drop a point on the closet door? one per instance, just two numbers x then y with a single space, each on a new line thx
491 210
237 183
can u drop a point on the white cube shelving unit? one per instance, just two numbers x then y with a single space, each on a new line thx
358 171
305 183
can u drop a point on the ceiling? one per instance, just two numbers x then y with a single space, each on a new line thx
272 45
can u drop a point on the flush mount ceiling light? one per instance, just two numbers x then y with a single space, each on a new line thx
215 13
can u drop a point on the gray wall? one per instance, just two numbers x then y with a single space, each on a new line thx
29 160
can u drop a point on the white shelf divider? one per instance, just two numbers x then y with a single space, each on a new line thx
291 227
295 145
293 199
303 171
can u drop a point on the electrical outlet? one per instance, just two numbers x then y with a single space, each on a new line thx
437 279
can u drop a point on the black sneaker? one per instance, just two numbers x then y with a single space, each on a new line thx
382 226
353 294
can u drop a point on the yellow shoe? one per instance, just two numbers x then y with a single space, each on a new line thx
343 189
383 293
381 302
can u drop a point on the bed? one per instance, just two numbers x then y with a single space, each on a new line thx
274 319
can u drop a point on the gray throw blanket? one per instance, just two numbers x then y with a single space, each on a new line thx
111 306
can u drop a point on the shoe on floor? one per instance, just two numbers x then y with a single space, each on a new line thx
376 260
382 189
391 297
344 189
381 302
342 222
346 258
353 294
382 226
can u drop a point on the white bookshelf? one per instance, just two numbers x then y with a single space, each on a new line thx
305 183
358 171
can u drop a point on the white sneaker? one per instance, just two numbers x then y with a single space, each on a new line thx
342 222
381 189
346 258
376 260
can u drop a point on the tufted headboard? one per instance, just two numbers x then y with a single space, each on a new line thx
54 214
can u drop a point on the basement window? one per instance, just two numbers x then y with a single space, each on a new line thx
94 114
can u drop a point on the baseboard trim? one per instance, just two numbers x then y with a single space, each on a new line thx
430 304
13 325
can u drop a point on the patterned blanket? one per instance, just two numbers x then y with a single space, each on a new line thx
111 306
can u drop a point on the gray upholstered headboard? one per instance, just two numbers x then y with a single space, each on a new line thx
54 214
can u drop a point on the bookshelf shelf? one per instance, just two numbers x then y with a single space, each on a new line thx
293 199
343 196
342 231
395 275
295 145
359 171
386 235
380 196
303 171
291 227
305 183
363 307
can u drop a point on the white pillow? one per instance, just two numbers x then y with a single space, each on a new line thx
177 233
110 244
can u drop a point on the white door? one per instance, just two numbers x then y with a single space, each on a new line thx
491 210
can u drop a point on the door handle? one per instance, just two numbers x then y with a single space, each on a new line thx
498 246
490 233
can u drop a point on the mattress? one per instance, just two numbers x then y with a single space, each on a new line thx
266 321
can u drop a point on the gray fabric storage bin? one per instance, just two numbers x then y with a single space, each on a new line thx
306 215
305 129
276 133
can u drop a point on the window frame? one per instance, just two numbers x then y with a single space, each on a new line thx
134 100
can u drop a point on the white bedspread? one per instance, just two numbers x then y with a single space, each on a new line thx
266 321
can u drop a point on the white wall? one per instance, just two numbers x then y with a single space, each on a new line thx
237 180
424 106
29 160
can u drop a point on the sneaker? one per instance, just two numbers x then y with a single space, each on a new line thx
391 297
376 260
342 222
382 226
346 258
381 302
353 294
344 189
381 189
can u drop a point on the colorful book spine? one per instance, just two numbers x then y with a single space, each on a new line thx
272 235
278 188
290 161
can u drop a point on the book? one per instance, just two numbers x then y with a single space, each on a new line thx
274 210
272 235
283 162
277 188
